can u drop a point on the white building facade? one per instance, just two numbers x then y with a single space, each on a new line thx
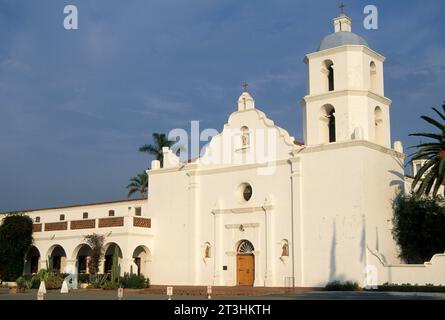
59 237
259 208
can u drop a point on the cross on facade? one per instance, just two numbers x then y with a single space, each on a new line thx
342 8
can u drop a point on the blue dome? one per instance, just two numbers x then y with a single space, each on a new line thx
342 38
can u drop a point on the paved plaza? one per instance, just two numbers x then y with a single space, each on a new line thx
144 295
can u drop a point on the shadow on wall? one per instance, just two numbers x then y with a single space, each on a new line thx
363 240
377 246
399 181
399 178
333 262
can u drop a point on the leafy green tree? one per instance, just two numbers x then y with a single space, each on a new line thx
15 241
139 184
160 140
418 227
96 242
431 175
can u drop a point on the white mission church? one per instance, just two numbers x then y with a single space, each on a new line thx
258 208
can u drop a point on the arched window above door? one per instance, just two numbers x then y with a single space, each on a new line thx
245 247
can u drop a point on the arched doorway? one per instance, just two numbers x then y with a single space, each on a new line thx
141 258
82 255
56 258
245 263
32 261
111 249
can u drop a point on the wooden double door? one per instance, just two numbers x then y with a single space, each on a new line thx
245 269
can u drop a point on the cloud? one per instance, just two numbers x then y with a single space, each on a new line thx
14 65
159 106
81 99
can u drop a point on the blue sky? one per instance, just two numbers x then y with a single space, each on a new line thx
76 105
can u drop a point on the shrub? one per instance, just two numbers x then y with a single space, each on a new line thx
54 281
406 287
98 280
42 275
342 286
133 281
23 283
64 275
15 241
419 226
35 283
110 285
83 278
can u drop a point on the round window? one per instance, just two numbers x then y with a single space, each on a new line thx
246 192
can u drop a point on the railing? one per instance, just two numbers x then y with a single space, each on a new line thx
141 222
83 224
56 226
111 222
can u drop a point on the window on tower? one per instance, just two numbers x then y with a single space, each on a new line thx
328 70
378 119
331 78
328 127
373 77
331 118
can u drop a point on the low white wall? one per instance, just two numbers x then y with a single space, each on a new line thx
432 272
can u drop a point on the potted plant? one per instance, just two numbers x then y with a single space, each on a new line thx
22 284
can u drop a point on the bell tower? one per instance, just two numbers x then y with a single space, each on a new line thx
345 95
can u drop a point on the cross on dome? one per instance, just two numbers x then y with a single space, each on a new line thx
342 8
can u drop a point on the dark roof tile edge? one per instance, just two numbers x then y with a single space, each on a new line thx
76 205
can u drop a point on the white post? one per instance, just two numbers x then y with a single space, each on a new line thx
169 292
209 292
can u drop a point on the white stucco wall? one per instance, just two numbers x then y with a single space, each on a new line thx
431 272
127 237
331 202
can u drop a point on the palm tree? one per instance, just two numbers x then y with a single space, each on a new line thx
432 173
160 140
139 184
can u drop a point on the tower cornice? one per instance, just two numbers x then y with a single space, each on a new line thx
361 48
339 93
